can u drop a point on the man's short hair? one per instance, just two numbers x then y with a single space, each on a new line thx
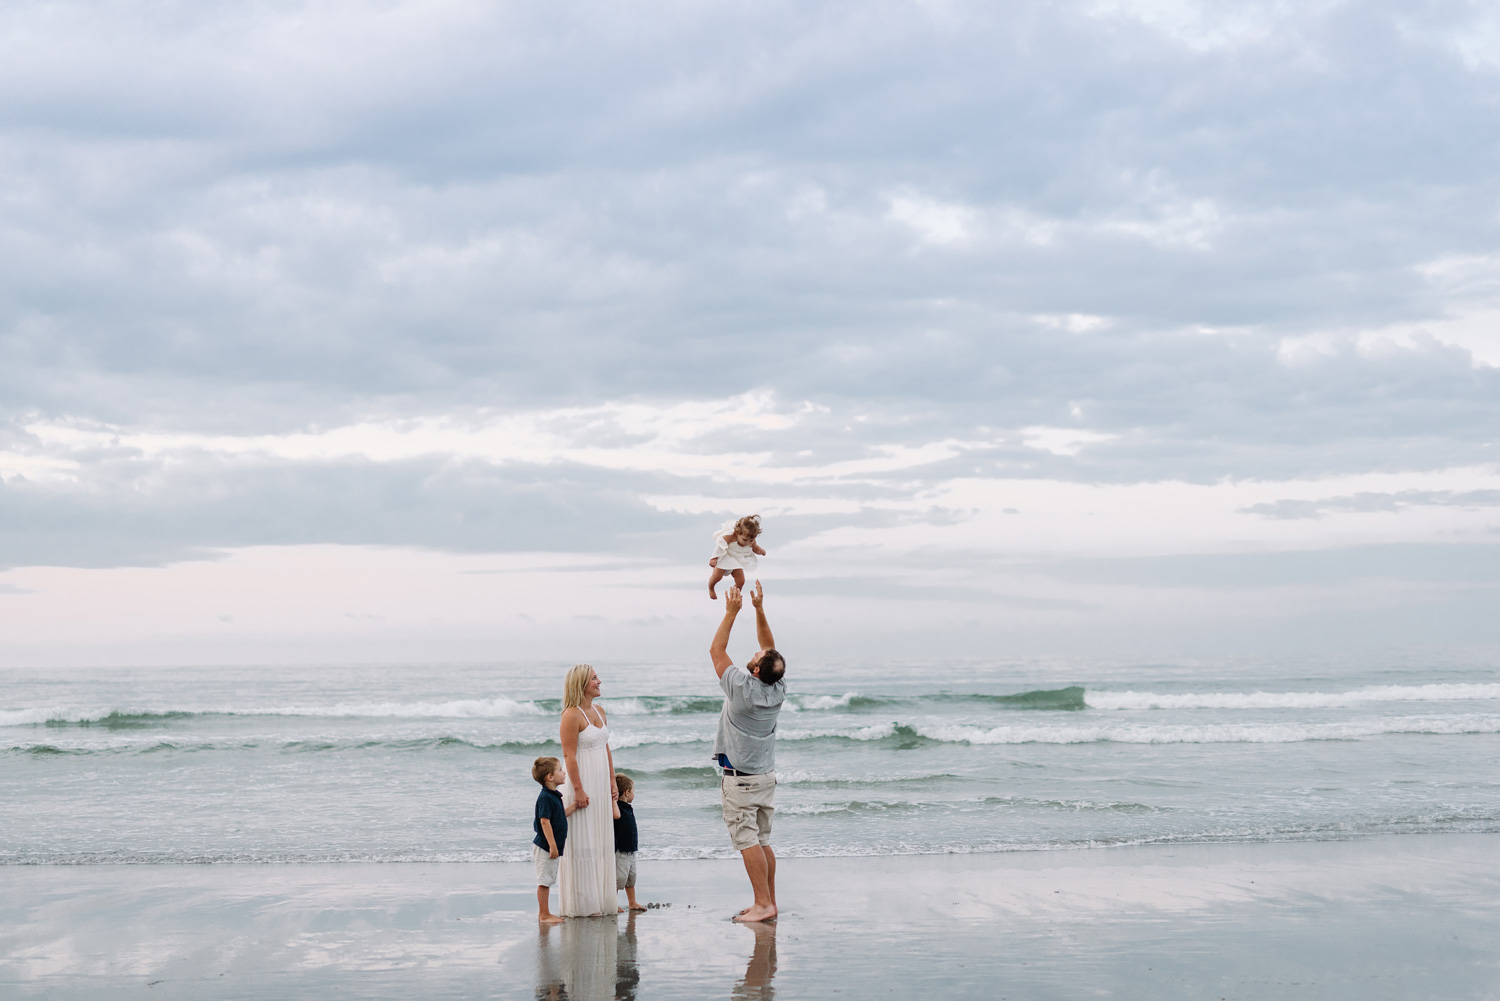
771 667
624 783
542 767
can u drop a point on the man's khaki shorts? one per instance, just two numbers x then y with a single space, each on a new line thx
749 801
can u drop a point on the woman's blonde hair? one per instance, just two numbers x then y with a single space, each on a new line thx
574 684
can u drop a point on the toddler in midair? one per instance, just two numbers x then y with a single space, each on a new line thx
735 551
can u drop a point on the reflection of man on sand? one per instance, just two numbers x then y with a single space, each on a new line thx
756 984
745 748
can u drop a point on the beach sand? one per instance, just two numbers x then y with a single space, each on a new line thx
1395 917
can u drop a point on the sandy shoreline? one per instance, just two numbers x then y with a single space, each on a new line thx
1397 917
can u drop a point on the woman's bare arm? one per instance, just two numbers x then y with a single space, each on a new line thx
568 732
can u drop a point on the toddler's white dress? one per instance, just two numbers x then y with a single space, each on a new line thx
733 556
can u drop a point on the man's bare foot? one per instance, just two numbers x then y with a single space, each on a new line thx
637 907
549 919
756 912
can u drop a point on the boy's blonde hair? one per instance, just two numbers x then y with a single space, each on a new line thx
542 767
574 683
624 783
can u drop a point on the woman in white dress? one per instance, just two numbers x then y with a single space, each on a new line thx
586 874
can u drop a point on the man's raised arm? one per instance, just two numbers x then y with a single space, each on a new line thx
762 628
719 648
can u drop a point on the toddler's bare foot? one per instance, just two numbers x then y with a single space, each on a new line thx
711 593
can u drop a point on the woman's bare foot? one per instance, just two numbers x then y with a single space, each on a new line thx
756 912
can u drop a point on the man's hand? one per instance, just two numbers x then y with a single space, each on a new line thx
733 601
762 627
553 852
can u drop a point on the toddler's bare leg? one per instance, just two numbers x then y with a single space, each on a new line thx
739 579
544 913
713 578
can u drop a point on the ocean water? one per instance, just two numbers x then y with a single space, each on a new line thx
432 762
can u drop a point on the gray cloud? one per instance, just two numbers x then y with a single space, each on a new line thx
1462 565
195 508
256 219
1368 502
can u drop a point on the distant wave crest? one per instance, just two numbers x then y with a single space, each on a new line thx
1291 700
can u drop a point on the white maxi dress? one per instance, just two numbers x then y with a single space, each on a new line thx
586 872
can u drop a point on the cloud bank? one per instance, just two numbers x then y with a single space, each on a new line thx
1009 301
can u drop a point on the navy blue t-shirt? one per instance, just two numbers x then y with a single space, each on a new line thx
550 805
626 839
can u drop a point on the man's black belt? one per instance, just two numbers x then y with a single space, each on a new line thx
731 771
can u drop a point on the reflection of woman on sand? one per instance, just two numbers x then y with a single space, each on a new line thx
586 875
576 962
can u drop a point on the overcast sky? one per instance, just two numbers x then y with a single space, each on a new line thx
451 329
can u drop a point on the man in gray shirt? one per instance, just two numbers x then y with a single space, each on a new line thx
745 748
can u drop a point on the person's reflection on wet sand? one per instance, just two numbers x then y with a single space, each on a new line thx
756 984
575 961
627 971
549 980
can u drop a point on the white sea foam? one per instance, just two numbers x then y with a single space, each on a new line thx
50 714
819 702
878 731
1289 700
798 777
618 742
495 708
1250 733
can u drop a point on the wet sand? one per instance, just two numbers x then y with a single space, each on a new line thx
1395 917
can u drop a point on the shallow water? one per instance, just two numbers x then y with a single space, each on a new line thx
432 763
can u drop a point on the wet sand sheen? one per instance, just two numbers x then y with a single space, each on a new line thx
1413 916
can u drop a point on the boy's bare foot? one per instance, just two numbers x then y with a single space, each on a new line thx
549 919
757 912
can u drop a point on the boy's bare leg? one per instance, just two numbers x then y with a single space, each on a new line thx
543 912
630 899
755 867
713 578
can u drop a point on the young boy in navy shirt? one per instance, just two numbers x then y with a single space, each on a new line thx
551 827
627 841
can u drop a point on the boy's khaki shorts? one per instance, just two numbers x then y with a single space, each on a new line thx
546 866
624 870
749 801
